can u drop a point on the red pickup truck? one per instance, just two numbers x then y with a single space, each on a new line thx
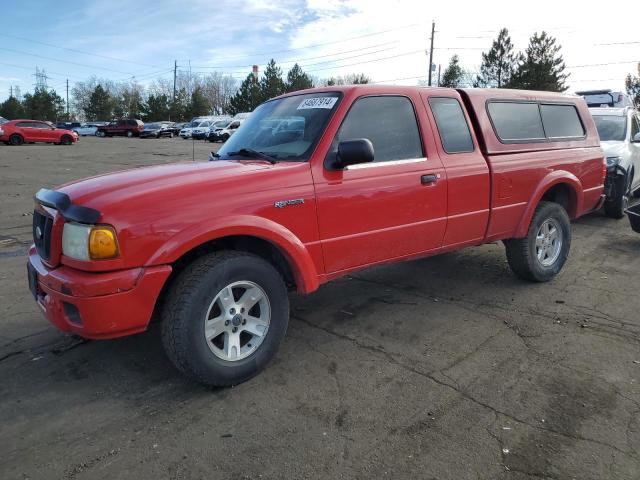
369 174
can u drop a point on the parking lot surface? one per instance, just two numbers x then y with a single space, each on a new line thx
444 368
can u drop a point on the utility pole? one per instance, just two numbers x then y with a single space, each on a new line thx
439 69
67 98
175 73
433 31
11 91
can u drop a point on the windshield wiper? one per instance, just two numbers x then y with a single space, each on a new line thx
250 152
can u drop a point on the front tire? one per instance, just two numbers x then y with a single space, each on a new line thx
225 318
129 134
542 253
66 140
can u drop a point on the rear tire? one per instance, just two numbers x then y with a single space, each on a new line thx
101 134
16 140
129 134
200 314
615 207
540 255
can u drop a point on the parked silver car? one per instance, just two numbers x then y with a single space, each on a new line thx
619 130
86 129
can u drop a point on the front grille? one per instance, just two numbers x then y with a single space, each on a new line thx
42 225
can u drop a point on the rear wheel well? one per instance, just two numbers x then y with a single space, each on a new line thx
563 195
239 243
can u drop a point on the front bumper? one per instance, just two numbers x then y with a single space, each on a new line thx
96 305
614 182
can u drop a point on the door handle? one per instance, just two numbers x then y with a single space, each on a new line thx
428 179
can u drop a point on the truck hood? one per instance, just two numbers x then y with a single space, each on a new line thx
613 149
157 183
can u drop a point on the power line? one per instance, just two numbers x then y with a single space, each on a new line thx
77 51
602 64
62 61
303 59
616 43
31 69
381 32
369 61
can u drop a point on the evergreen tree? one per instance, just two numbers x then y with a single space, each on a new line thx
43 105
271 84
453 75
247 98
633 87
541 67
349 79
297 79
498 64
178 107
11 109
100 105
156 108
199 105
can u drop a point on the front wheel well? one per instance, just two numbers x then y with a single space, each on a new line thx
565 196
239 243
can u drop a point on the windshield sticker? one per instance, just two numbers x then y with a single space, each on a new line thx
318 102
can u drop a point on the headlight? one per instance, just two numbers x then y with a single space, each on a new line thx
89 242
613 161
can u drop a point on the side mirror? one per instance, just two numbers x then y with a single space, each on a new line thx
352 152
636 138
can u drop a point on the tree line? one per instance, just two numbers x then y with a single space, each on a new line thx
540 67
100 99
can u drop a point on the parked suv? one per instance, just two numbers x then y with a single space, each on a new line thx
127 127
222 132
17 132
366 175
619 130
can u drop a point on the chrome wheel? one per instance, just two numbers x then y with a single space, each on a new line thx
548 242
237 321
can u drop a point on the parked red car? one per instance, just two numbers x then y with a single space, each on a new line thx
126 127
17 132
369 175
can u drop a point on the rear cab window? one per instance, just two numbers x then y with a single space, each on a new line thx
528 122
561 121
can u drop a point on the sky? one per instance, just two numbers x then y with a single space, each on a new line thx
387 41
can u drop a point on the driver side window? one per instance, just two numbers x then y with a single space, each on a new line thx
389 122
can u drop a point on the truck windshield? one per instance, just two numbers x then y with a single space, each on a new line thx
284 129
611 128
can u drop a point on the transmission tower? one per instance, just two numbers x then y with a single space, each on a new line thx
41 79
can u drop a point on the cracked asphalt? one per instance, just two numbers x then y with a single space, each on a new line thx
444 368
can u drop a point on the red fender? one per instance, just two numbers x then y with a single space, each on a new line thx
553 178
300 261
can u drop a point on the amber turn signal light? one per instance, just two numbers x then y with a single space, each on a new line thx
103 243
